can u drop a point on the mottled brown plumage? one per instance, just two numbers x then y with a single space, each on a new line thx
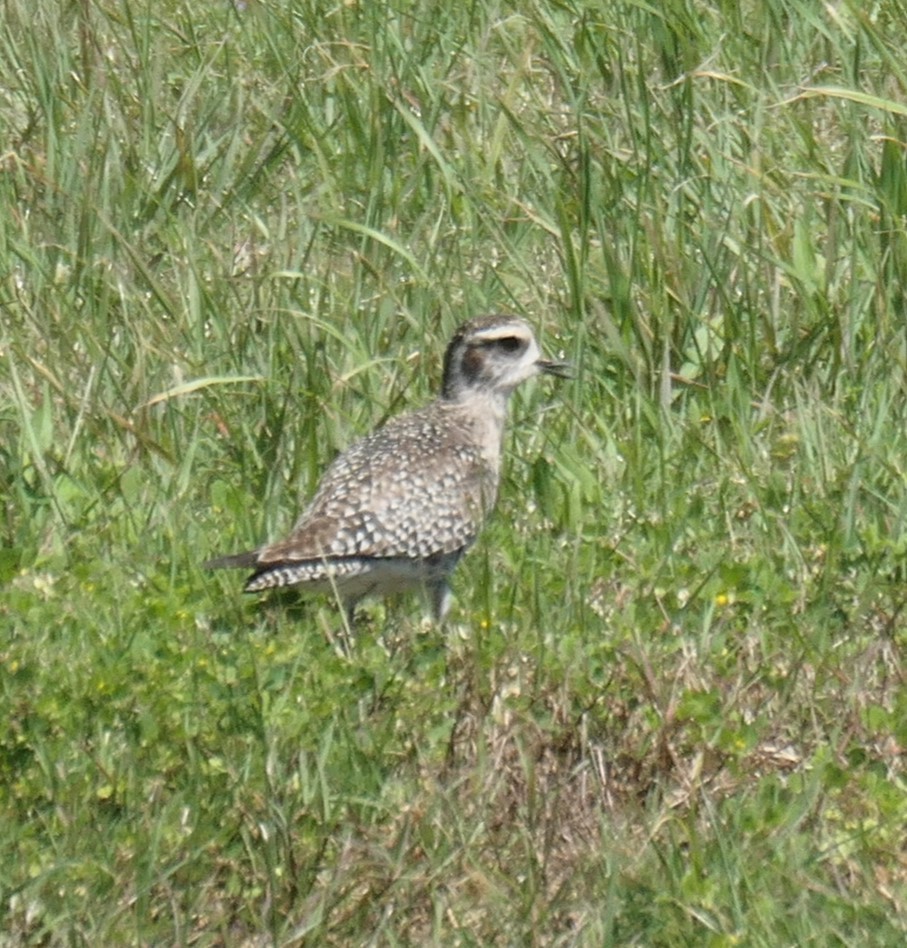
400 507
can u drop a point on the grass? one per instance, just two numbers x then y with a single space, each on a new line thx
669 708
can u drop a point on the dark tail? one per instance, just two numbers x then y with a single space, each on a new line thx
236 561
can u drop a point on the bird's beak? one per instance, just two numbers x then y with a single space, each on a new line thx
563 370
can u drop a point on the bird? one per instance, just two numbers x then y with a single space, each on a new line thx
399 508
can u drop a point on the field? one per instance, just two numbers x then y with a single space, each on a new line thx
669 706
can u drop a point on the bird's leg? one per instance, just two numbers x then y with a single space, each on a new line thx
341 640
440 597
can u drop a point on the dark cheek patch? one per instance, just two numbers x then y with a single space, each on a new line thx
472 364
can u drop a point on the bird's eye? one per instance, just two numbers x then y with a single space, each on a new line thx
510 344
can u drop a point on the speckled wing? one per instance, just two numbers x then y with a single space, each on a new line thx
415 489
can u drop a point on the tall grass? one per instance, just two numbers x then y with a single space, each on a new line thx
669 707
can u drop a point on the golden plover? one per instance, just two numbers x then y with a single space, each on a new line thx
399 508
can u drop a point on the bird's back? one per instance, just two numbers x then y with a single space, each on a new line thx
417 488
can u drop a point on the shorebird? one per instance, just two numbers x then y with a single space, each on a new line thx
398 508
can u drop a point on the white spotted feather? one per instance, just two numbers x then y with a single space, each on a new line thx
399 507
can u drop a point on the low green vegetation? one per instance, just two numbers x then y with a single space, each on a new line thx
670 704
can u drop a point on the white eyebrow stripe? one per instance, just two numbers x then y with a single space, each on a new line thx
501 332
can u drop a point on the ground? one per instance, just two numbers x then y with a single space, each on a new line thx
669 704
